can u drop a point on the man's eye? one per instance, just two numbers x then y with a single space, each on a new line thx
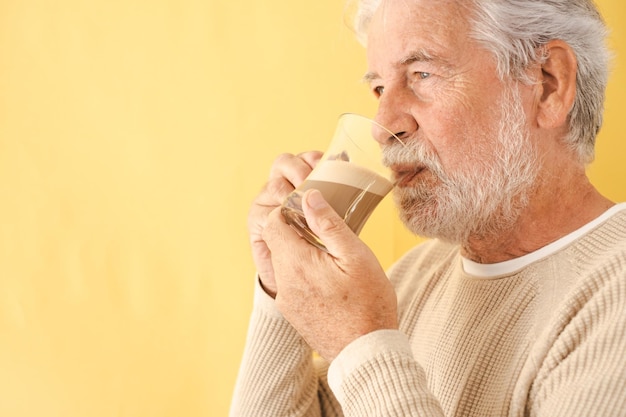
378 91
422 75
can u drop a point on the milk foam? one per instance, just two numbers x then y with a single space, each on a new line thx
351 174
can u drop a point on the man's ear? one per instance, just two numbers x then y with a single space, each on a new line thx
557 89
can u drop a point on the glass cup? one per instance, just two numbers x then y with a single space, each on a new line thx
350 176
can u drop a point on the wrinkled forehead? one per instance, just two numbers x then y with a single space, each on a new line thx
425 15
437 23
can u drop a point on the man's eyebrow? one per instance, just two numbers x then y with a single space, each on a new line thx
417 56
414 56
369 77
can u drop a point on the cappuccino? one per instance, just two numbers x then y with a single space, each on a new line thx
352 191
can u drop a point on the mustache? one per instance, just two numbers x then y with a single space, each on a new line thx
414 153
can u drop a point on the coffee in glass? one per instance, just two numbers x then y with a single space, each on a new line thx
350 176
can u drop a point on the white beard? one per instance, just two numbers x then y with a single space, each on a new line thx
485 200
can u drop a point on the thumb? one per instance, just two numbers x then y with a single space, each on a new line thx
327 224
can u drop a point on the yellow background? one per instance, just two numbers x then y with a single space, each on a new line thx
133 136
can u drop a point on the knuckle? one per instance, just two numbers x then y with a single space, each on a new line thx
256 217
278 188
332 224
311 157
286 156
280 161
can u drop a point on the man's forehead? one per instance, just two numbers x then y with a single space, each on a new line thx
405 34
426 16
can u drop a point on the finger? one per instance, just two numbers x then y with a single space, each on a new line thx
327 224
274 193
279 235
311 157
286 247
294 168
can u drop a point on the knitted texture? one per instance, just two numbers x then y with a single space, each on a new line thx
547 341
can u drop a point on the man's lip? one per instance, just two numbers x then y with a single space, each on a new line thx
404 175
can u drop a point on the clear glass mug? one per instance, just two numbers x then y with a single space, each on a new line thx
350 176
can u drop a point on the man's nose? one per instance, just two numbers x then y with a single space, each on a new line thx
394 118
385 136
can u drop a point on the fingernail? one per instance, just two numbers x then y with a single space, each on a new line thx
315 200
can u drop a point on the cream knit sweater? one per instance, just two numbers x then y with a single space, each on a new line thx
544 337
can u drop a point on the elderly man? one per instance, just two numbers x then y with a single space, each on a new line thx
517 306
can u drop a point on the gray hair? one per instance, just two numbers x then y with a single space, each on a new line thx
515 30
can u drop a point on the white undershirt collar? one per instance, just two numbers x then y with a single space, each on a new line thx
513 265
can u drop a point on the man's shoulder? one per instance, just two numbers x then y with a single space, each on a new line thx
617 220
598 263
606 244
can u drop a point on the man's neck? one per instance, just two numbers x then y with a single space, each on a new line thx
556 208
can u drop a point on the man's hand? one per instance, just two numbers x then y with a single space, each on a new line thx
329 298
287 172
